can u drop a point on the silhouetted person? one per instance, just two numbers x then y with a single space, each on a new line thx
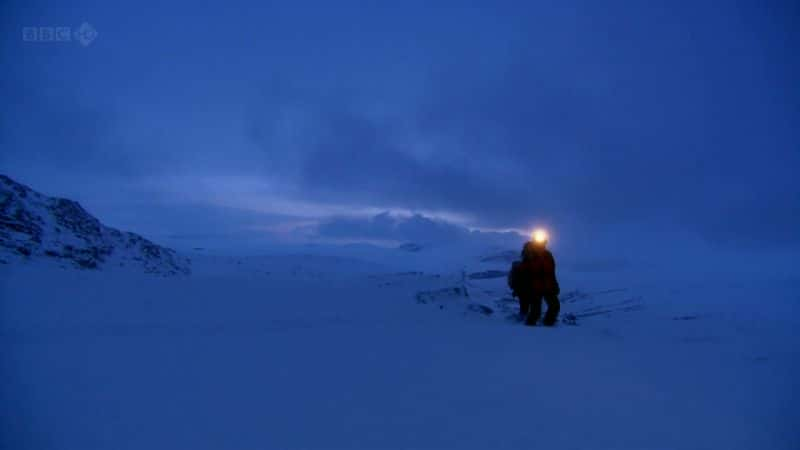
534 278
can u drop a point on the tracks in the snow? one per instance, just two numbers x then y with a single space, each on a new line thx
486 295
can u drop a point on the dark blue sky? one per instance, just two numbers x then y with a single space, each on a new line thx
301 120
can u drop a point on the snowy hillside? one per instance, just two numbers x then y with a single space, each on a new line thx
34 226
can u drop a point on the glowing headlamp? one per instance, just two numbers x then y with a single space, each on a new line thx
539 236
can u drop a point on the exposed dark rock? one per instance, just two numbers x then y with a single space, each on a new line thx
480 309
410 247
440 294
487 274
569 319
685 318
35 225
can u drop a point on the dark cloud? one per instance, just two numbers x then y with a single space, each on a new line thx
612 126
576 115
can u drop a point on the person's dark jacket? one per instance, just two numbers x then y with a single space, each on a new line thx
535 274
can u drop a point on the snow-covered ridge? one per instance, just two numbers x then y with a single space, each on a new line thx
35 226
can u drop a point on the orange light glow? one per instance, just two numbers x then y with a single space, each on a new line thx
539 236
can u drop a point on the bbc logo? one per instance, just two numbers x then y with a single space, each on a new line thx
47 34
84 34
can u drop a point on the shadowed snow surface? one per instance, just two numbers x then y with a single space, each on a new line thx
304 351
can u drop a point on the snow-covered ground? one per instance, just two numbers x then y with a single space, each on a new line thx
324 351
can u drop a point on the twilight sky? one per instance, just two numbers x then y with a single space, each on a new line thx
304 121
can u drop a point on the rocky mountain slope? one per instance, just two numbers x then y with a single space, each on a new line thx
34 226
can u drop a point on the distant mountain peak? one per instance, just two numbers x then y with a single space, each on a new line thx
410 247
34 226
